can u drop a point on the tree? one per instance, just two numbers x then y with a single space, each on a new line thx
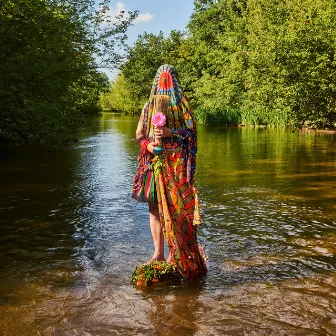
120 97
51 51
248 61
149 52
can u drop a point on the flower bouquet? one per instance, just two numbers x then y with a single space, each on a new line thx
158 120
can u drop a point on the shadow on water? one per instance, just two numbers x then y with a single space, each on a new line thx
71 237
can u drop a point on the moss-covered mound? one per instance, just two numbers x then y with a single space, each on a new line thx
157 271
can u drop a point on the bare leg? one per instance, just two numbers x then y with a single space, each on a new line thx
169 259
155 226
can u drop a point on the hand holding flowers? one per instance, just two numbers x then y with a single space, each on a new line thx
158 120
164 132
160 131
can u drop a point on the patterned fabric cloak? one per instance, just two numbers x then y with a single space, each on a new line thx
174 175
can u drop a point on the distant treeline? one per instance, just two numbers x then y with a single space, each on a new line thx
243 62
51 52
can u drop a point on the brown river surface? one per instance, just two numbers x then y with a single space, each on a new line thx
71 237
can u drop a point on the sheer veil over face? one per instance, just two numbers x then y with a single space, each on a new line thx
180 115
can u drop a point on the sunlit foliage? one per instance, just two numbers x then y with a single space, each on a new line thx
51 54
252 62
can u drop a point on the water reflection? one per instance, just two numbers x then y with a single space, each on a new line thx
175 312
71 237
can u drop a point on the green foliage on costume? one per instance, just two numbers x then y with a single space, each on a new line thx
50 55
157 164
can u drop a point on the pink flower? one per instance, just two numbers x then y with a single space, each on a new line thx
159 119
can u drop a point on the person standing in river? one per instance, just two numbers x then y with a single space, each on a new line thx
170 192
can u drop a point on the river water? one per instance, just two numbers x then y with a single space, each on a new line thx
71 237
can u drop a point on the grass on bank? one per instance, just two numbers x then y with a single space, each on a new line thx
252 117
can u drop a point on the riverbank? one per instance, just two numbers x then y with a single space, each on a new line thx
313 130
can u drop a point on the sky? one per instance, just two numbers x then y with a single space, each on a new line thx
154 16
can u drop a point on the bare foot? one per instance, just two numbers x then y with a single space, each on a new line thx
156 258
169 260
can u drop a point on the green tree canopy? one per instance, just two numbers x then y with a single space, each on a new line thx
51 52
249 61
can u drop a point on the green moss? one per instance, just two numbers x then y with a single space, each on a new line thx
157 271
